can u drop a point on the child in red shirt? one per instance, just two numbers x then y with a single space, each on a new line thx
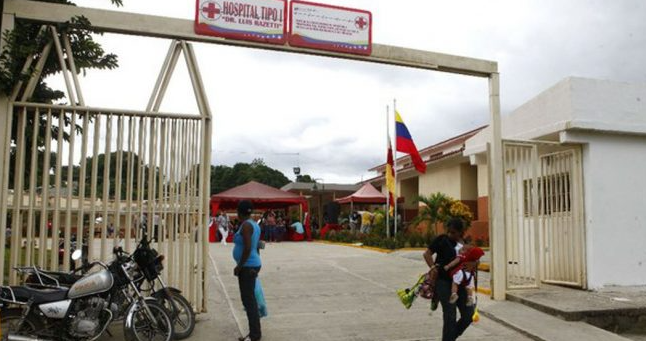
462 270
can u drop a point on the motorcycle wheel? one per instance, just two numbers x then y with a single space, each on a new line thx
9 320
143 329
182 314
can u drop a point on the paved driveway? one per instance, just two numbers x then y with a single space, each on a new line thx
327 292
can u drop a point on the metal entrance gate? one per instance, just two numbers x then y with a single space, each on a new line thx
562 218
94 177
543 215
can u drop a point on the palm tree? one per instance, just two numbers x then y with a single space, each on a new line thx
435 210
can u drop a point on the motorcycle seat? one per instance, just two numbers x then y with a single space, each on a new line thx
39 296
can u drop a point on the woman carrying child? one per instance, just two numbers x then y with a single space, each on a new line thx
446 248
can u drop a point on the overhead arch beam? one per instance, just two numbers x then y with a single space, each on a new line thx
182 29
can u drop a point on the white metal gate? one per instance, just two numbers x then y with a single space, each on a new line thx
96 175
544 222
522 232
562 218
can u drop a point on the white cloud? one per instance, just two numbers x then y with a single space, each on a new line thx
271 105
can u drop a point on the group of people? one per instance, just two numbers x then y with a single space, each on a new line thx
273 226
365 221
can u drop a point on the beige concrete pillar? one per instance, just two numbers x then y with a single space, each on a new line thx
5 142
496 194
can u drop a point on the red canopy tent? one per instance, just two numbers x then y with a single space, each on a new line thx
367 194
262 196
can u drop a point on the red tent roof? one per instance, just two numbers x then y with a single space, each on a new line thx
367 194
262 196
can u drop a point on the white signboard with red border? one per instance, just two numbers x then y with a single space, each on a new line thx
332 28
256 20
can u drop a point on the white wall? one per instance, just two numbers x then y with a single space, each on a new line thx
614 168
573 103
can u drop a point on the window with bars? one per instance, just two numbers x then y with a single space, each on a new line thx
554 195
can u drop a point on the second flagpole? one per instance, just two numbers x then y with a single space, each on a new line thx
395 196
386 174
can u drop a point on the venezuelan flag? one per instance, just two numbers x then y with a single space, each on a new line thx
406 145
390 179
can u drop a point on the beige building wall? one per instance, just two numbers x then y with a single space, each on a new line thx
483 180
469 183
409 190
446 180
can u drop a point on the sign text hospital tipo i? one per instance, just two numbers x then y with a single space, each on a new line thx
312 25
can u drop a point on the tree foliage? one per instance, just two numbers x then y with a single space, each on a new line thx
140 173
439 208
27 40
225 177
305 179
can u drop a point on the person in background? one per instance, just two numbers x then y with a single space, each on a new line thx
8 237
271 226
366 222
110 230
315 224
354 221
156 223
297 227
281 229
248 264
223 226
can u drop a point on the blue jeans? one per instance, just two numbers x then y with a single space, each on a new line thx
451 329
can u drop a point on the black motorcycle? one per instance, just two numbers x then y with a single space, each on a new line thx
85 309
145 270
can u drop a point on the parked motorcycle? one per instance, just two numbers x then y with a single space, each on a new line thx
150 264
146 271
85 309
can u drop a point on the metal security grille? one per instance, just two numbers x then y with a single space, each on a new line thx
562 218
97 177
544 222
521 226
82 176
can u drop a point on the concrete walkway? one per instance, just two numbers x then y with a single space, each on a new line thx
327 292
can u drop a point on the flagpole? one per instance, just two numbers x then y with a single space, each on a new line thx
395 196
386 174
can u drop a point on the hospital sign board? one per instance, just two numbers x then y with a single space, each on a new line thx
332 28
255 20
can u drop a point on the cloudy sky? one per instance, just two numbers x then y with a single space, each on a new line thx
328 116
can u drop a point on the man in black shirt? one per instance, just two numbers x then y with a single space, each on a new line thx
444 247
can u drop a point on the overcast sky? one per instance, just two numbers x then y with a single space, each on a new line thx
273 105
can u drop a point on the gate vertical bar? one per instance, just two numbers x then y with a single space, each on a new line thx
535 164
70 188
32 188
56 226
129 182
80 229
106 185
5 144
18 190
44 214
93 177
116 231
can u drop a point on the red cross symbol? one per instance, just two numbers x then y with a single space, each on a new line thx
211 9
361 23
